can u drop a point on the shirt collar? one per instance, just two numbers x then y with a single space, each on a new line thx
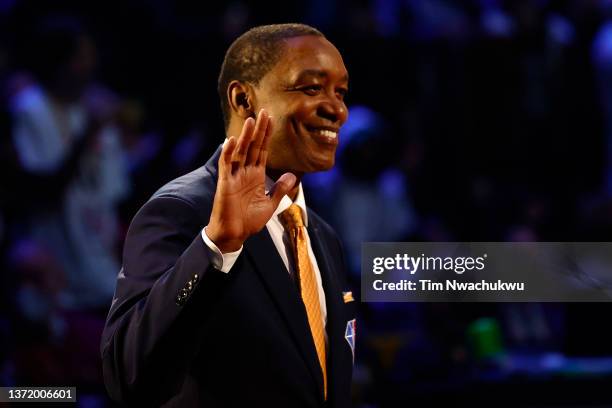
286 201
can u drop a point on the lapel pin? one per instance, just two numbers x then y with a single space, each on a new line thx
350 334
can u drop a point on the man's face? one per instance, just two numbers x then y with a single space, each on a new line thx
304 95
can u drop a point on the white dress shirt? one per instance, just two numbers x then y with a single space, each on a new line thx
280 237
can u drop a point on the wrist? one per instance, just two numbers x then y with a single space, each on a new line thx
224 244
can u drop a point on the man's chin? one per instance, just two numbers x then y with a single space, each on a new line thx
323 165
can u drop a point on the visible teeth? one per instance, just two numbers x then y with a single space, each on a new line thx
328 133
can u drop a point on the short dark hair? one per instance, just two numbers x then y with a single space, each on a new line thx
253 54
54 43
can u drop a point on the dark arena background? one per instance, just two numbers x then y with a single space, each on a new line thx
479 120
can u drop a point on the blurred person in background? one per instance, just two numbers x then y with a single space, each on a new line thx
69 175
370 194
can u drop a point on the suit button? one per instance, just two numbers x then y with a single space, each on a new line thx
182 297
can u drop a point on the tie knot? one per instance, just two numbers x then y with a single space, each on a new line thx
292 217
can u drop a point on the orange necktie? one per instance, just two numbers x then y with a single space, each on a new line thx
291 219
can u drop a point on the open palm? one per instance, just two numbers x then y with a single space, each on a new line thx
241 206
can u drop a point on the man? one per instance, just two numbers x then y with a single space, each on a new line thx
232 293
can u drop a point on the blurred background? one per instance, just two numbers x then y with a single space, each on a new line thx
479 120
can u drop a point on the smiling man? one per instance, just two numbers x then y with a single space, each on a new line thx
232 291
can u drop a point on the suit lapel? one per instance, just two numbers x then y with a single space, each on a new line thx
333 299
262 252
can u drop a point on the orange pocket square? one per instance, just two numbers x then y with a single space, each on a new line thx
347 297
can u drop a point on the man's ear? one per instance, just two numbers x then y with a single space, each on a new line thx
241 99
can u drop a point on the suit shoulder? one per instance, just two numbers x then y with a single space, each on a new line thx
196 188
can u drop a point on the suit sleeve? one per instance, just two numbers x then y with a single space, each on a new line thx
166 293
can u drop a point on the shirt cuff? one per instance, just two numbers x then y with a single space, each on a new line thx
220 261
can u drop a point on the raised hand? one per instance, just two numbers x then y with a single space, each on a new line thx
241 207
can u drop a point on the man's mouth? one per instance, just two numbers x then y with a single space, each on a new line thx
323 134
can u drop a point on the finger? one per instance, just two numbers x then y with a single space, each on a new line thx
263 151
258 136
263 158
244 140
283 185
225 160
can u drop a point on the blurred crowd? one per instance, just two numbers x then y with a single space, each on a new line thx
480 120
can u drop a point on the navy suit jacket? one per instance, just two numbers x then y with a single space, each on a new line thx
181 333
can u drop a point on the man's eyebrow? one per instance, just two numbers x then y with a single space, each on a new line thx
317 73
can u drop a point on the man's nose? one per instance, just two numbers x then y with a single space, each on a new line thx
334 110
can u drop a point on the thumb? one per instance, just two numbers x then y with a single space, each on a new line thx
282 186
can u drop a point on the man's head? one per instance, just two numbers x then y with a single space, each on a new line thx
63 56
298 76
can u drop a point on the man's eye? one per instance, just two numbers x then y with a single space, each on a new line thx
342 92
312 89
